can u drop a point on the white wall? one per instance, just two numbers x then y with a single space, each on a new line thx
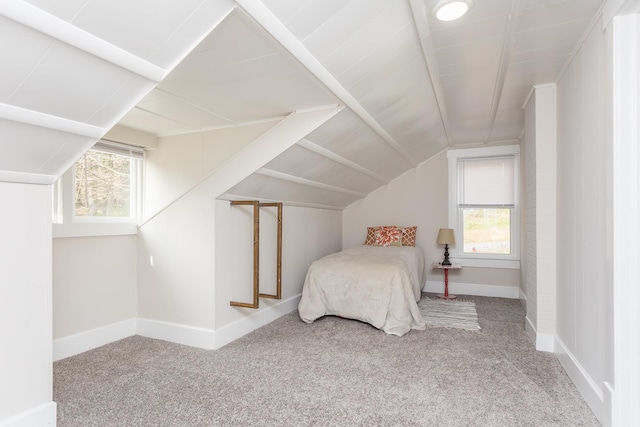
584 288
177 257
94 283
529 263
180 162
419 197
26 374
540 215
624 198
94 292
307 234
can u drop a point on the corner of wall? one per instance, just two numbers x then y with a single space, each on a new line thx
596 397
42 415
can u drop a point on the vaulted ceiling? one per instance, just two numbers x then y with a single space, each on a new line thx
411 85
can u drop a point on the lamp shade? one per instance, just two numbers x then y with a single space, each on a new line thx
446 237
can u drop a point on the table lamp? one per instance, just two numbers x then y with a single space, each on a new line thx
446 237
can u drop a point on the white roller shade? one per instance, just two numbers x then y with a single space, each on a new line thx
486 182
121 149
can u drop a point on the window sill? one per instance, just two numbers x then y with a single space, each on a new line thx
513 264
87 229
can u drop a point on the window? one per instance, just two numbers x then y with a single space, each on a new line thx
104 187
483 205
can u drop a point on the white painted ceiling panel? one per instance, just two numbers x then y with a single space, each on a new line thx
17 60
488 28
168 105
402 83
545 37
200 23
286 9
303 163
313 15
122 22
540 14
84 87
398 49
238 75
370 37
469 57
343 25
230 42
34 149
65 10
386 71
367 151
123 99
263 187
153 123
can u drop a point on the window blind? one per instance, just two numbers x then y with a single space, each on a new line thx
486 181
121 149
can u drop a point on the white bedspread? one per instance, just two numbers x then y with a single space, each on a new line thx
374 284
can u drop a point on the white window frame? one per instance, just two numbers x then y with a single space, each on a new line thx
67 224
512 260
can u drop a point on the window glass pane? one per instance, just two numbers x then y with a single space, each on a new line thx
488 181
103 185
486 231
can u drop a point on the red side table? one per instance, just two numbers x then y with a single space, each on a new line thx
446 269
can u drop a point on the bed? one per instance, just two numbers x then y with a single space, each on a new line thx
379 285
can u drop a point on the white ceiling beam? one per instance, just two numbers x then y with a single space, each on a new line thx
61 30
43 120
231 197
307 182
272 25
419 13
315 148
517 9
27 178
261 151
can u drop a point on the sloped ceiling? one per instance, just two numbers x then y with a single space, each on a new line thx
71 69
411 86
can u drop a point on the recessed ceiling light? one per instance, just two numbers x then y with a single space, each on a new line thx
448 10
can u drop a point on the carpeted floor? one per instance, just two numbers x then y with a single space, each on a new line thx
334 372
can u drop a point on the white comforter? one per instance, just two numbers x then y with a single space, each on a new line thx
374 284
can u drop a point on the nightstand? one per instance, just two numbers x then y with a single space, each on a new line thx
446 269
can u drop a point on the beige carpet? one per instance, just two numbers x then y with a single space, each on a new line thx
333 372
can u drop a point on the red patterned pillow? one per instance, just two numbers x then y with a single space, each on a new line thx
409 236
388 235
371 236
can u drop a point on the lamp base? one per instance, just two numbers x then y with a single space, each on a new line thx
443 296
446 256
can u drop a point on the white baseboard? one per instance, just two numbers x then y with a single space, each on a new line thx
193 336
210 339
42 415
473 289
174 332
588 388
522 294
543 342
237 329
79 343
530 329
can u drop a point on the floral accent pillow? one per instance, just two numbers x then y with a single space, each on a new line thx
409 235
388 235
371 236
